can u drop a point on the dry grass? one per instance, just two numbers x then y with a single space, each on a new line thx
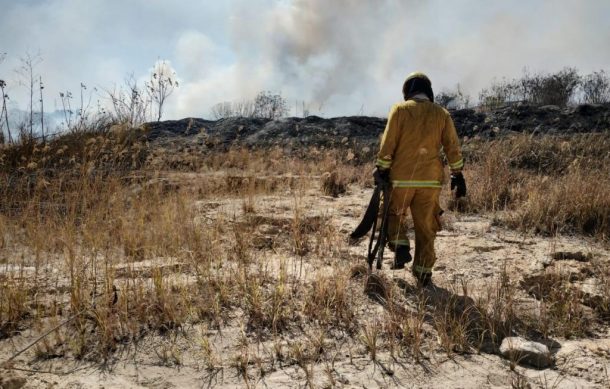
85 236
560 311
333 184
548 184
123 246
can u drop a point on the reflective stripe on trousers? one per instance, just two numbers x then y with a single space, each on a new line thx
400 242
457 165
416 184
421 270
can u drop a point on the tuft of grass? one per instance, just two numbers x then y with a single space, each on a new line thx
560 310
13 305
453 328
369 336
601 303
328 300
497 312
334 183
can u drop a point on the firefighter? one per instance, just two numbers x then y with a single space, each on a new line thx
409 158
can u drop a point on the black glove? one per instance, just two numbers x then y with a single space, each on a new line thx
457 181
382 177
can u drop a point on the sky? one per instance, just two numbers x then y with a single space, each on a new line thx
339 57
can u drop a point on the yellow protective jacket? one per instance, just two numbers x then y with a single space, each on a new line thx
411 144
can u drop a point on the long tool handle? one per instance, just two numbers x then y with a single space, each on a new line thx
384 226
372 251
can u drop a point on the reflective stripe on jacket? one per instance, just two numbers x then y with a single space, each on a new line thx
411 144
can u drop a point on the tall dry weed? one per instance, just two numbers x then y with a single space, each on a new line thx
547 184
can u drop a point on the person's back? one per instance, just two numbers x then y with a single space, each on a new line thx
409 157
422 128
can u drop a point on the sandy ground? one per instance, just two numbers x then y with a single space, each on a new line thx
472 250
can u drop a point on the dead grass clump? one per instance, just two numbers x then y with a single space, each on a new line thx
404 329
456 319
359 271
498 317
13 305
333 184
600 299
578 202
557 155
453 330
560 311
268 303
548 184
94 149
329 301
369 336
118 317
378 288
269 312
215 296
493 185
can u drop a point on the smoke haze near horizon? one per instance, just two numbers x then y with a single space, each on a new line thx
342 57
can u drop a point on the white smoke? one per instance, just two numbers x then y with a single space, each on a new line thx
344 57
340 57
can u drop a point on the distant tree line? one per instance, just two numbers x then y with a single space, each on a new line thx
562 88
266 105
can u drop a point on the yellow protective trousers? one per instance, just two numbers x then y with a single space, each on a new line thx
425 208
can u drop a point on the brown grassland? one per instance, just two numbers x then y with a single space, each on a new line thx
235 265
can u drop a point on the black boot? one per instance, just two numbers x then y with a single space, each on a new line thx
423 279
402 256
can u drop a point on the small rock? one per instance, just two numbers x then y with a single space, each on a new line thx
12 382
526 352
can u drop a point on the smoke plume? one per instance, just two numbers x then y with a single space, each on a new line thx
339 57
